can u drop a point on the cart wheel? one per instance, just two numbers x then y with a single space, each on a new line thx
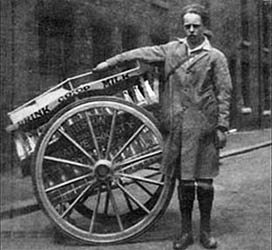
96 171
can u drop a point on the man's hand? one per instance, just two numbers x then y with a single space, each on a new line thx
101 67
221 138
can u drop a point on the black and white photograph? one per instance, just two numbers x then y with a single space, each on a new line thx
135 124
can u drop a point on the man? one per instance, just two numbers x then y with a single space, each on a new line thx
195 107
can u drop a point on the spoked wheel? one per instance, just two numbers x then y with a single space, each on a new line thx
96 171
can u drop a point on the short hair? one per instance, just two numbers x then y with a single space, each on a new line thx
197 9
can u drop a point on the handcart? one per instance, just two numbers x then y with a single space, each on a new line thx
95 148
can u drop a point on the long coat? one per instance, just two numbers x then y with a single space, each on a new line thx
195 102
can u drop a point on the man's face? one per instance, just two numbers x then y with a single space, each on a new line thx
193 28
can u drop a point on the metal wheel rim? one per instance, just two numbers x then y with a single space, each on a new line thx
65 226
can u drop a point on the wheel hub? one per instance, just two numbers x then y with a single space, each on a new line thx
102 169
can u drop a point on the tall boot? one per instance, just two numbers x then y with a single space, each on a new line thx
205 196
186 196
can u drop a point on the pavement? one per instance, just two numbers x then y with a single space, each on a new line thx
17 196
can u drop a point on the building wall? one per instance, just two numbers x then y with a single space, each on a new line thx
46 41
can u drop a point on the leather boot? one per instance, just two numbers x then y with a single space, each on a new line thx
205 196
186 196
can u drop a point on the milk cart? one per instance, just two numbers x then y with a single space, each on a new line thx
96 149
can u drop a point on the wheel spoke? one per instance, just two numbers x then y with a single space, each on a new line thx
111 133
77 200
115 208
64 161
138 178
127 198
69 138
95 210
139 130
152 175
107 203
134 199
143 187
68 182
153 168
93 134
119 166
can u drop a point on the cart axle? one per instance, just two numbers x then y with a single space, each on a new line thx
103 169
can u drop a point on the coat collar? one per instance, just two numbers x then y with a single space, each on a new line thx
206 45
